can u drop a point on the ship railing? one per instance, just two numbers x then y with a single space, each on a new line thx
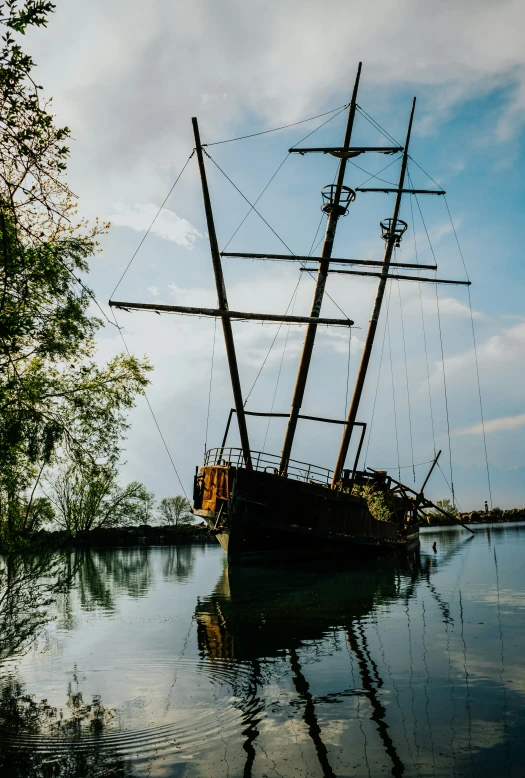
269 463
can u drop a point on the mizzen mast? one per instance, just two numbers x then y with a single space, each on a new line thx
339 199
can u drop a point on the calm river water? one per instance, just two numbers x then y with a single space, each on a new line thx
157 662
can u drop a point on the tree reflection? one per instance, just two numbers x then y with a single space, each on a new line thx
178 562
29 585
103 575
38 740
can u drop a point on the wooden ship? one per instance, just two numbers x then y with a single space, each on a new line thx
263 506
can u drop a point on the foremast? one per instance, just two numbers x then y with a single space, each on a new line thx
223 304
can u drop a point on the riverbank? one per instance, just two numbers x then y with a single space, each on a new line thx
115 537
496 516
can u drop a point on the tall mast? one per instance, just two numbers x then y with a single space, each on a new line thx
223 303
365 359
322 274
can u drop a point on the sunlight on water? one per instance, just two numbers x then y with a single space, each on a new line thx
161 662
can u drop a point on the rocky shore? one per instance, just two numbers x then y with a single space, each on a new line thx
496 516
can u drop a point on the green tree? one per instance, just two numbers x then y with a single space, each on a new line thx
447 506
87 496
175 510
54 396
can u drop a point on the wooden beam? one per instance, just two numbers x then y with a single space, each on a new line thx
294 258
353 151
222 301
227 314
394 277
404 191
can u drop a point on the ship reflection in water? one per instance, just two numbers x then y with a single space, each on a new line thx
158 662
368 672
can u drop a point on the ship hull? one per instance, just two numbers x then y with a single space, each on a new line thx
263 517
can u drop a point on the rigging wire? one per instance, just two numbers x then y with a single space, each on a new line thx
377 126
454 501
281 365
276 129
378 377
315 236
375 175
153 414
88 291
406 375
271 346
278 169
209 391
404 467
348 369
475 352
151 225
441 347
423 327
393 397
270 227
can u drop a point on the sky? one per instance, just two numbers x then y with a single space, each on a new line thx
127 77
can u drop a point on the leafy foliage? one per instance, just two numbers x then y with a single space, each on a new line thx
447 505
87 496
377 504
54 397
175 510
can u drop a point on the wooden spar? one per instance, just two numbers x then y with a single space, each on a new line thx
223 303
227 314
353 151
392 277
322 275
434 463
367 351
295 258
405 191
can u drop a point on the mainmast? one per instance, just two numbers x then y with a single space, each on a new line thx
336 210
393 236
223 303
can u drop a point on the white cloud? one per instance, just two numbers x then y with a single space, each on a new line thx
449 306
503 424
167 224
153 290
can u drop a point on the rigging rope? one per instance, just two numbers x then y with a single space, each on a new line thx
152 413
278 169
377 126
281 366
475 352
423 326
375 175
276 129
378 376
348 369
406 374
441 347
151 225
272 345
393 398
209 391
454 501
271 228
